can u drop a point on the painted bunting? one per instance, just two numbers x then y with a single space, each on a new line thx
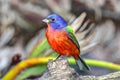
61 38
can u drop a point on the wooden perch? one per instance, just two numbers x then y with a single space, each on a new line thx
60 70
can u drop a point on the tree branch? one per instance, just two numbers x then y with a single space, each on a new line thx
60 70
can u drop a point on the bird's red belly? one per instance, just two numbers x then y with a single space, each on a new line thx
61 43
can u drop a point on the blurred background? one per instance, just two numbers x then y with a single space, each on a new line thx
22 32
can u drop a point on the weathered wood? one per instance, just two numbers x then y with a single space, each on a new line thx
60 70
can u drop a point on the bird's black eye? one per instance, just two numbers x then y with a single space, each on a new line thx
52 20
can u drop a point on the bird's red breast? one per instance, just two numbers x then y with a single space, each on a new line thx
59 41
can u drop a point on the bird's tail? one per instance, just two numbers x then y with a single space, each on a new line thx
82 65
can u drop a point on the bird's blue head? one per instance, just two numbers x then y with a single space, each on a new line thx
56 21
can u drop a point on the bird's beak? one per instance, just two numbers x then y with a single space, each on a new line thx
46 20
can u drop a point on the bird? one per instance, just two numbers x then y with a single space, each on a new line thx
62 39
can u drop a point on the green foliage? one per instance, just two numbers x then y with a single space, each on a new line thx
39 49
32 71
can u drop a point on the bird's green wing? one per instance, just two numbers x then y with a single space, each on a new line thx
71 35
82 65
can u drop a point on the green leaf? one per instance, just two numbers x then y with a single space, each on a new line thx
32 71
39 49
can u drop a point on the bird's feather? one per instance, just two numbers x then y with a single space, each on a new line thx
71 35
62 39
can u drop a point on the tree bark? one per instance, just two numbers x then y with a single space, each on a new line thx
60 70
